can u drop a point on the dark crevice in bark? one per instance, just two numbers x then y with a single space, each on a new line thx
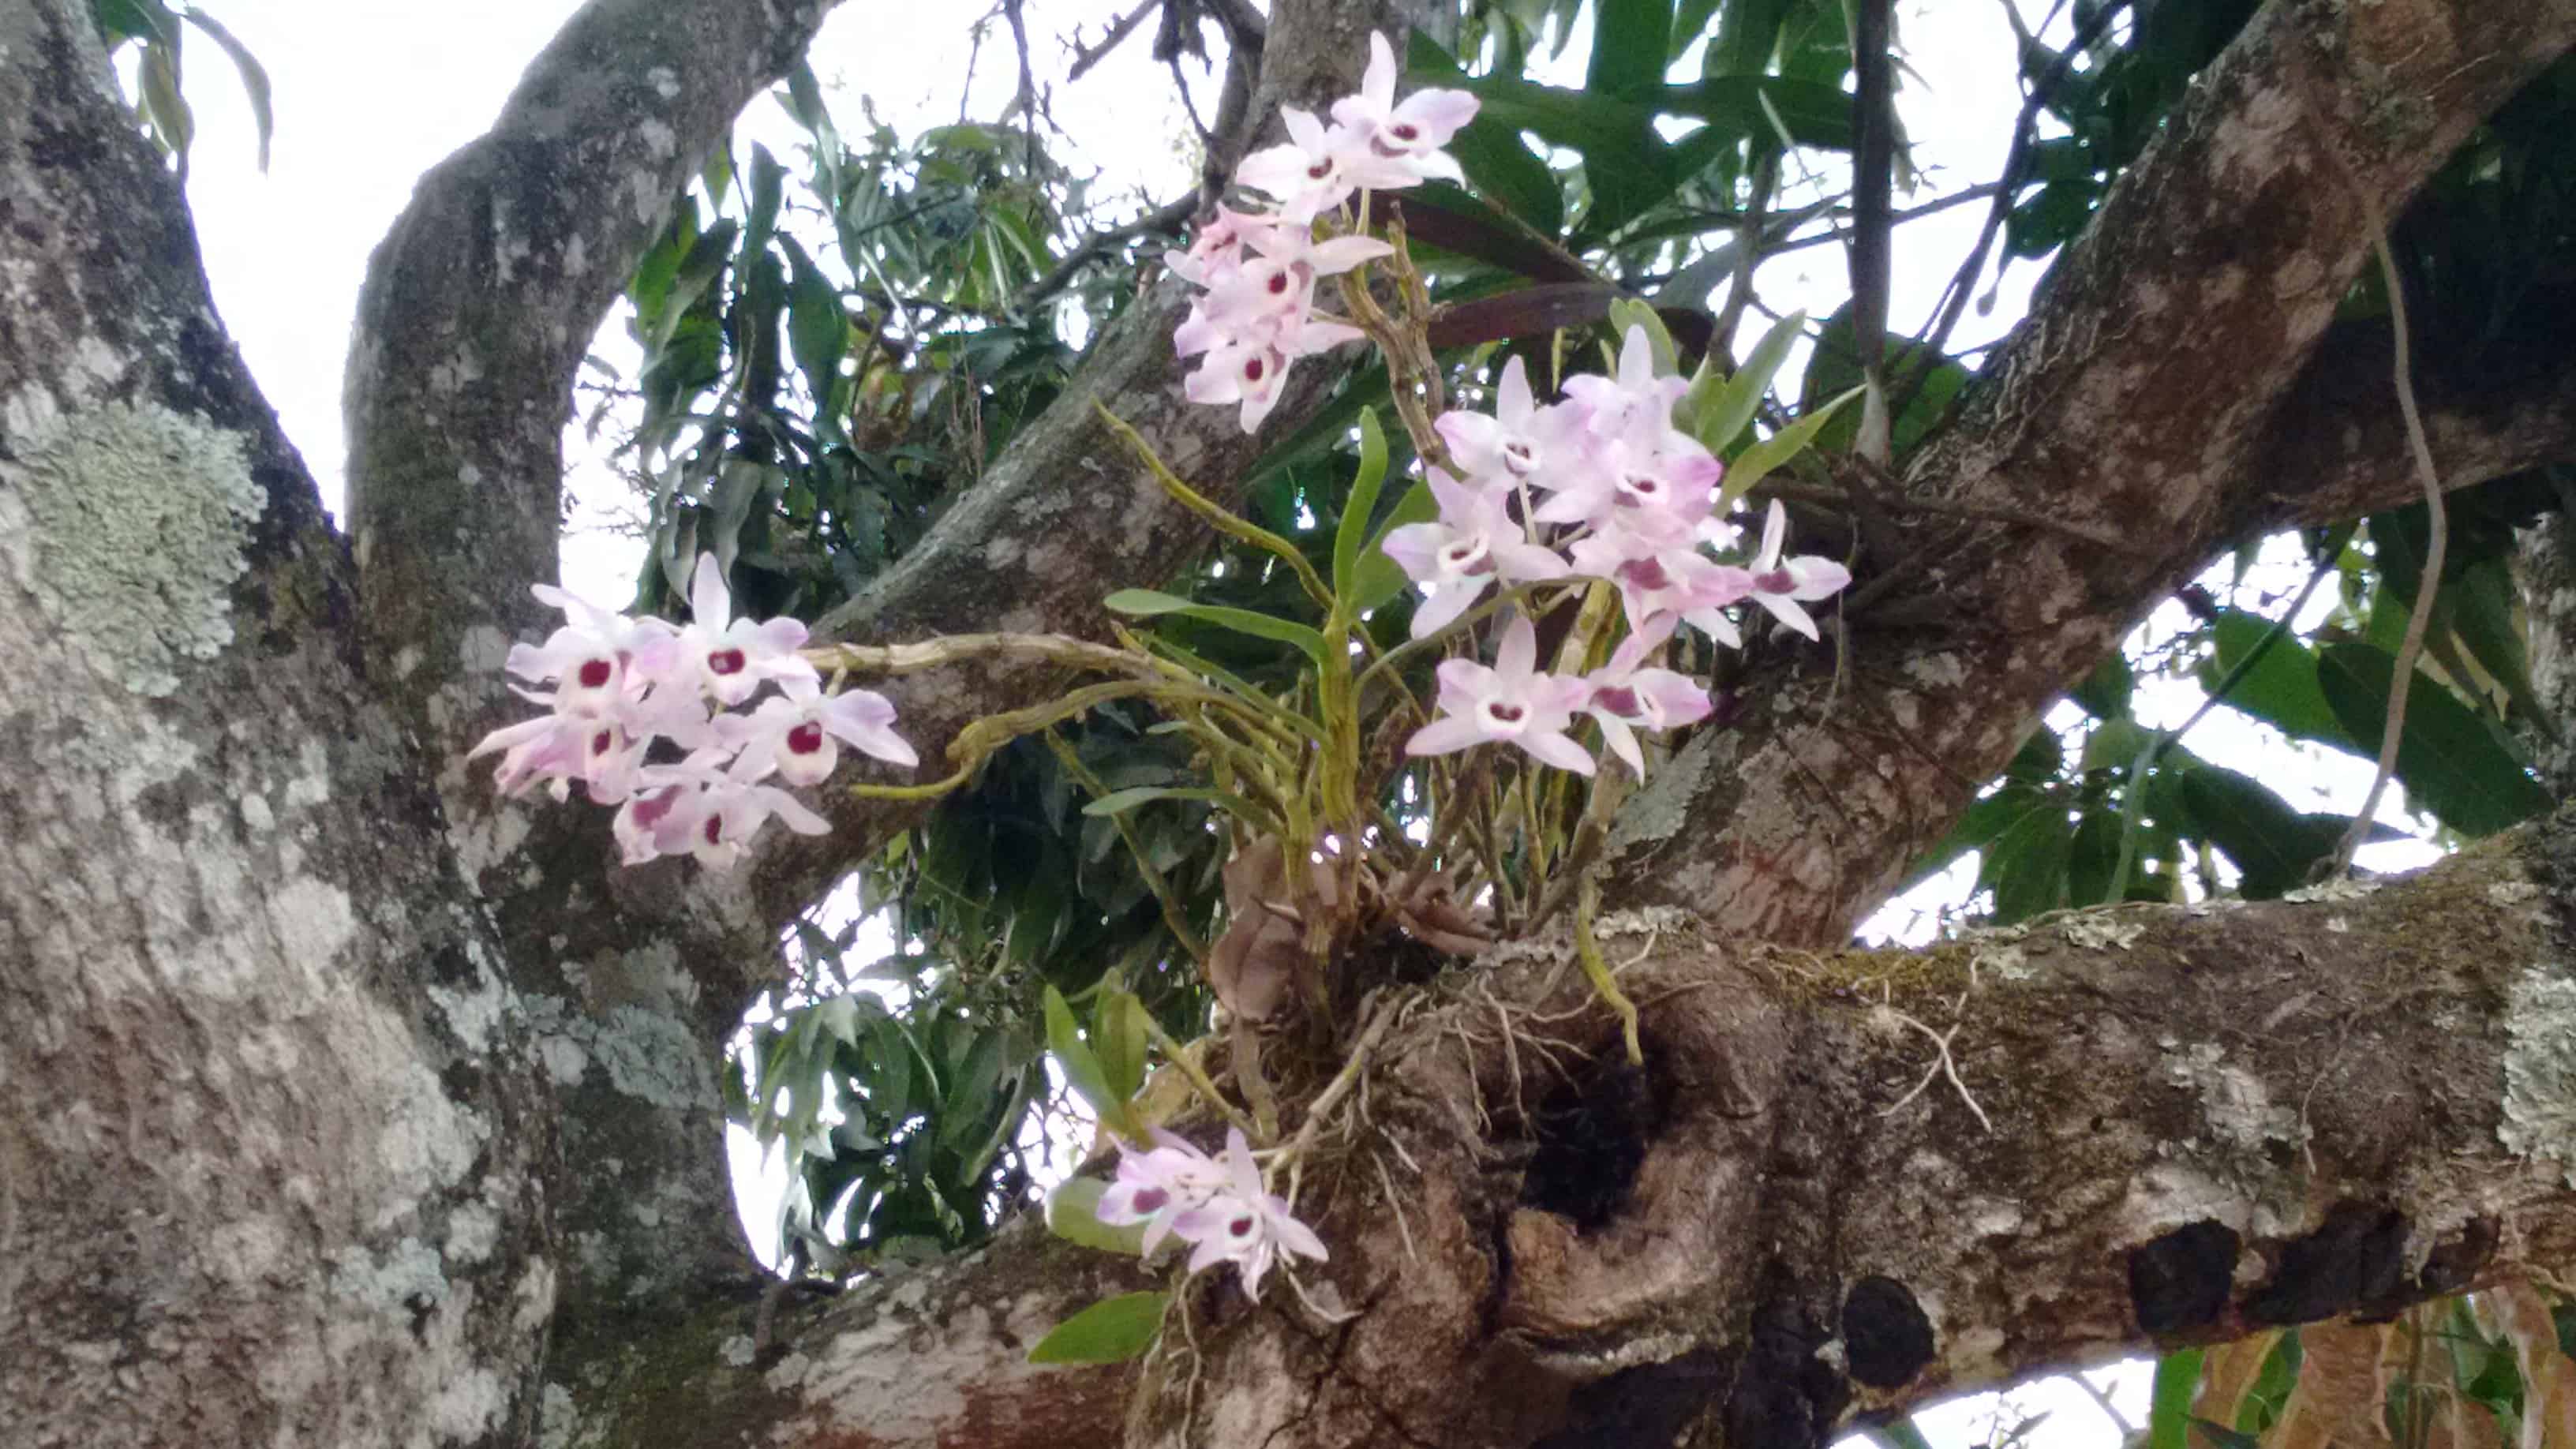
2181 1280
2353 1264
1887 1339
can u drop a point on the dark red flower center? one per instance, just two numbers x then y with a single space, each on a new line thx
1467 556
1151 1199
805 739
1278 283
1319 170
1777 581
1646 573
713 830
1404 131
1621 701
1240 1227
726 661
595 673
1505 712
600 742
1253 368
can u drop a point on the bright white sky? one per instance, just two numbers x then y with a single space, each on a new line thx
371 93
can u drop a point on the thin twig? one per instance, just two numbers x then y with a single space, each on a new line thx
2104 1401
1873 183
1180 1056
1027 100
2434 553
1171 216
2017 161
1119 29
1749 241
2133 809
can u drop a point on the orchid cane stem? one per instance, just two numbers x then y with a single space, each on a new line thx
1587 905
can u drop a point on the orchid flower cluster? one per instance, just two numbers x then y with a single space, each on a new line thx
1628 498
1217 1205
622 684
1260 267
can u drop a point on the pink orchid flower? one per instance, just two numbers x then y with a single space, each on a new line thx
1520 440
1781 585
1628 694
1316 169
1244 1224
1473 543
799 732
602 657
1157 1186
1636 394
1510 703
729 657
1410 132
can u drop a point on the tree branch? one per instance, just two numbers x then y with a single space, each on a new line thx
479 306
1171 216
2135 401
476 313
1772 1230
2336 450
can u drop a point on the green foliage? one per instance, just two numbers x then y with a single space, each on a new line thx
835 344
805 410
158 32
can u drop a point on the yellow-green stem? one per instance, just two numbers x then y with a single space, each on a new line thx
1587 905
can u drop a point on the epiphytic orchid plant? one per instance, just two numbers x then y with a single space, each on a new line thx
1588 547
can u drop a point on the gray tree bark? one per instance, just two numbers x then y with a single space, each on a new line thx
343 1105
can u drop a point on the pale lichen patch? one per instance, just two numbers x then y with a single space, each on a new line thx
426 1143
139 517
2234 1102
407 1277
2539 1118
473 1015
468 1405
2333 890
2103 930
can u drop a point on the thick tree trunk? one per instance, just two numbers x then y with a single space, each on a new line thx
270 1149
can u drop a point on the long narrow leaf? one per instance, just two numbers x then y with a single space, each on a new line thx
2169 1407
1756 462
1353 533
1726 408
1148 603
254 76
